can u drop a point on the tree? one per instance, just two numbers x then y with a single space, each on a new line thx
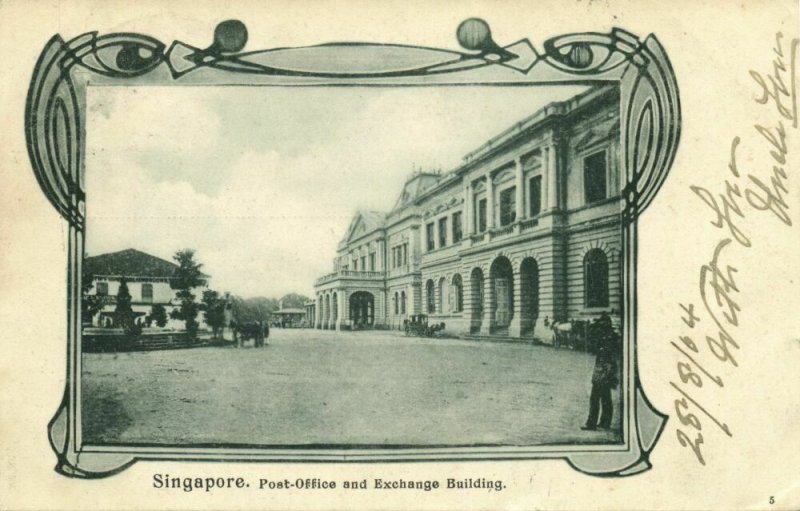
90 304
186 277
248 310
158 314
123 313
214 307
294 301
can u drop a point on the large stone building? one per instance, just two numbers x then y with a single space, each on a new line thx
526 230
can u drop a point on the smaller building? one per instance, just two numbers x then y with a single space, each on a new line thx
148 279
290 317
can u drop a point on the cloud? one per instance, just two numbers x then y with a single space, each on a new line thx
263 182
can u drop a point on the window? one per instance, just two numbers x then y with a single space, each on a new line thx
429 297
363 263
402 302
481 218
594 177
508 205
399 255
457 231
443 232
595 278
429 236
355 264
396 302
535 195
372 262
102 288
458 294
147 292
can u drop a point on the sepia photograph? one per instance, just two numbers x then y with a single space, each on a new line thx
353 266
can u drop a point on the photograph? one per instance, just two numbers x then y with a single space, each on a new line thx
353 266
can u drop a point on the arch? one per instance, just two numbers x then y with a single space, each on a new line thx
430 299
458 293
476 299
595 278
334 309
362 309
501 276
529 294
609 250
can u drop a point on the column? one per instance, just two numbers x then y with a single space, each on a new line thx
489 202
415 300
339 309
468 223
318 313
515 327
488 304
450 238
552 182
520 187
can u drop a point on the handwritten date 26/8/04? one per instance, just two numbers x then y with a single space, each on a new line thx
761 192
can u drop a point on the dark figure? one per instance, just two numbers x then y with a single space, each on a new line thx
604 377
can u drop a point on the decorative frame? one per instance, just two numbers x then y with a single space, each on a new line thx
55 125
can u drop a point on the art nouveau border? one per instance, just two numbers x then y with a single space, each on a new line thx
55 127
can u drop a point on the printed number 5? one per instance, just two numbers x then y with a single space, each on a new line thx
772 500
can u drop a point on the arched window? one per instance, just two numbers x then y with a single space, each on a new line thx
396 302
595 278
402 302
458 294
429 297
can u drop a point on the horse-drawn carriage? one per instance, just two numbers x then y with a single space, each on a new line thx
258 331
418 326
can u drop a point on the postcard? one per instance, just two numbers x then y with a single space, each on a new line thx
388 255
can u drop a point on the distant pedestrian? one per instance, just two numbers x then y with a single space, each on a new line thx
604 376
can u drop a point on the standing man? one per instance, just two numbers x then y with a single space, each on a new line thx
604 377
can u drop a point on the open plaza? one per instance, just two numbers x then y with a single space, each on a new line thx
370 388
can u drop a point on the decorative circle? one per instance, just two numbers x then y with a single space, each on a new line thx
230 36
133 57
580 55
474 34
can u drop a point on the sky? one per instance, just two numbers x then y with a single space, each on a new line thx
263 181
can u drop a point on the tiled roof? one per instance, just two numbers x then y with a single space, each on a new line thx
129 263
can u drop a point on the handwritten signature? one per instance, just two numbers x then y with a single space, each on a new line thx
763 191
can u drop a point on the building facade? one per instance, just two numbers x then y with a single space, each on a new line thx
524 232
148 280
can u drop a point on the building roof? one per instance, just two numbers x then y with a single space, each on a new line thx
415 185
290 310
372 219
365 222
129 263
